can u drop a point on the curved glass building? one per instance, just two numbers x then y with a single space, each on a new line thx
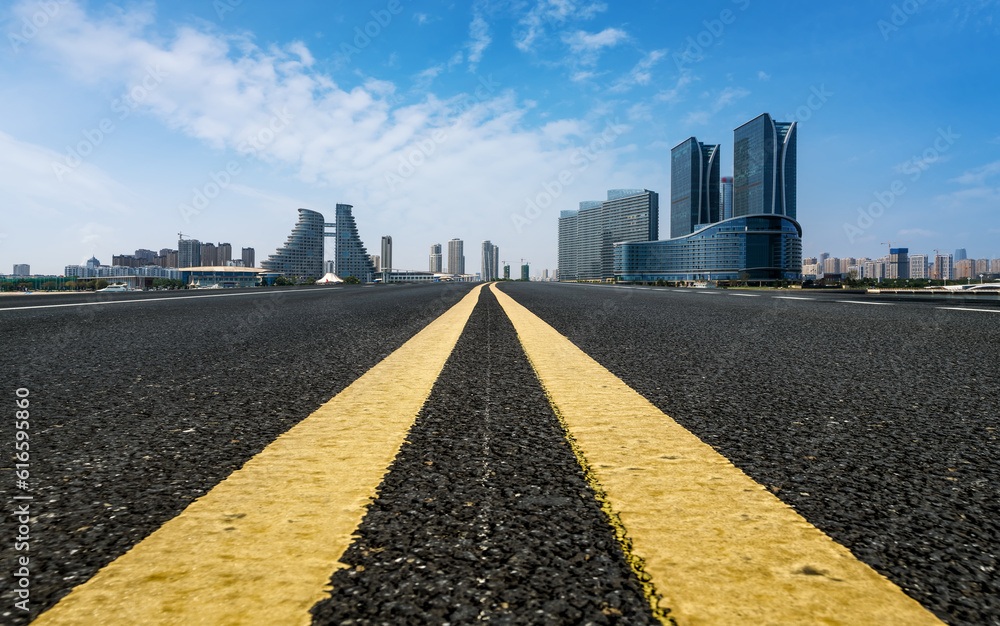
758 248
694 186
302 255
352 257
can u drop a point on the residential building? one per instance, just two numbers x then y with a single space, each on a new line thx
209 255
350 253
376 262
965 269
525 272
145 257
456 257
899 263
225 254
982 266
188 253
302 255
694 186
435 263
490 266
943 267
918 266
831 265
506 272
995 266
764 168
386 257
21 269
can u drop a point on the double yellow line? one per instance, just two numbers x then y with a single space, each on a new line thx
261 546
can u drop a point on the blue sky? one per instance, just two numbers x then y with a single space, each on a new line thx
122 124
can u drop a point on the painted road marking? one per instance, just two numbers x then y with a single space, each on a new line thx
791 298
214 295
718 547
746 295
860 302
955 308
261 546
680 291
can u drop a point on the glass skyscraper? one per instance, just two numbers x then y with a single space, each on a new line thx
694 186
764 168
350 256
456 256
302 255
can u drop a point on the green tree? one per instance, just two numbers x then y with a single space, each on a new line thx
352 280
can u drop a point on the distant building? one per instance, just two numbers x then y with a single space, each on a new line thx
376 262
249 259
22 269
899 263
764 168
966 268
490 266
386 260
209 255
435 263
525 272
831 265
694 186
350 253
456 257
995 266
960 255
982 266
943 267
188 253
918 267
506 272
727 197
225 254
145 257
93 263
302 255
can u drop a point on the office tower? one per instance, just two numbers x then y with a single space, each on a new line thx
22 269
943 267
764 168
960 255
726 197
188 253
376 262
225 254
302 255
490 263
386 254
435 259
899 263
249 259
350 253
918 266
694 186
587 235
456 257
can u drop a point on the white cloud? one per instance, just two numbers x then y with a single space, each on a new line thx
589 45
641 74
978 176
916 232
674 95
534 24
762 75
479 40
728 96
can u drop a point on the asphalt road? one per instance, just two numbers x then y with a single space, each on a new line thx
877 422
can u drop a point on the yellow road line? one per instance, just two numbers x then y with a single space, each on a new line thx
261 546
718 547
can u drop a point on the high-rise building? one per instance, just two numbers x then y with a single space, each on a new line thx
960 255
376 262
249 257
694 186
188 253
456 257
764 168
386 254
982 266
22 269
225 254
435 263
944 267
144 257
966 268
506 272
350 253
302 255
490 261
899 263
831 265
209 255
726 193
587 236
995 266
918 266
525 272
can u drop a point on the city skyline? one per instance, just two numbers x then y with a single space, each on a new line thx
116 130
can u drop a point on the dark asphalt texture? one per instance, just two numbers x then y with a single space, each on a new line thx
137 409
485 515
878 424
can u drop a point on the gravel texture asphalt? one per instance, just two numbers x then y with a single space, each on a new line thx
485 515
137 409
878 424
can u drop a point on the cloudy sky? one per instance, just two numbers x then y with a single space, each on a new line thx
123 124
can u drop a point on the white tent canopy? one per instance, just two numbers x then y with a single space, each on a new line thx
329 279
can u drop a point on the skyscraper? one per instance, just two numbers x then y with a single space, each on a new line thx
249 255
490 262
386 257
694 186
302 254
960 255
350 253
587 235
188 253
225 254
435 259
764 168
899 263
727 197
209 254
456 257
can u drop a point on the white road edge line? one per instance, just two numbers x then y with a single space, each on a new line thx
746 295
860 302
56 306
955 308
791 298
